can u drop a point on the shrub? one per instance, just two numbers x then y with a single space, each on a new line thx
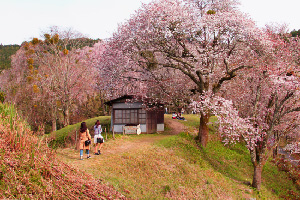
30 170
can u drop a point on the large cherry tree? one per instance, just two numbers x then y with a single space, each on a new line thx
264 105
207 42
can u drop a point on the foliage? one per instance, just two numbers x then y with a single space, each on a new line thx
6 51
92 107
51 78
83 42
2 96
295 33
184 48
30 170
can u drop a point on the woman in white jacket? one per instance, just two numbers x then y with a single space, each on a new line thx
98 138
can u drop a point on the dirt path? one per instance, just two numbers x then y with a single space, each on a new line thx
114 147
175 126
120 146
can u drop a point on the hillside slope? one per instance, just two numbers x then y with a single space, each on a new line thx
31 170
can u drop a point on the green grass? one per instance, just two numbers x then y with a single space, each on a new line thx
278 181
185 147
234 162
67 135
8 113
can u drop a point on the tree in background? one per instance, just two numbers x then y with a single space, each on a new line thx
94 105
207 42
6 51
295 33
51 76
264 105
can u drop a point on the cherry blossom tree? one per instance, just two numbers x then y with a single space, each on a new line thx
19 90
207 42
55 72
119 75
264 105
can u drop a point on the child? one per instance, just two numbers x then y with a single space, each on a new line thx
98 138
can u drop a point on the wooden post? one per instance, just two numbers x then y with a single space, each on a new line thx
113 132
123 130
105 134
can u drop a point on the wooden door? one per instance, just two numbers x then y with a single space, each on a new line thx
151 121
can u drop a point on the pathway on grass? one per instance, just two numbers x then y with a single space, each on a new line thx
119 146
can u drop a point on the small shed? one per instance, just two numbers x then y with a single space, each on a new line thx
130 110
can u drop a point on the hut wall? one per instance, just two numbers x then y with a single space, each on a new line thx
160 119
127 105
119 108
118 128
160 127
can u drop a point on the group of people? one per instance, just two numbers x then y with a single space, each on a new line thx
84 137
177 116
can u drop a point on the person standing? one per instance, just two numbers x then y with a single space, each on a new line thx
84 135
98 138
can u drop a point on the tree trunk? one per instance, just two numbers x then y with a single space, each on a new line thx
257 177
275 152
66 116
203 129
54 116
53 124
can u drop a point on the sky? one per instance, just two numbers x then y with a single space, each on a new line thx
21 20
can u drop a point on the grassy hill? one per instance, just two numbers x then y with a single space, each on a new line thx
31 170
166 166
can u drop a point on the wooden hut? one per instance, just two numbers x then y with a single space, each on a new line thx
130 110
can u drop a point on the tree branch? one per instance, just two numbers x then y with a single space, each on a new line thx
229 75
